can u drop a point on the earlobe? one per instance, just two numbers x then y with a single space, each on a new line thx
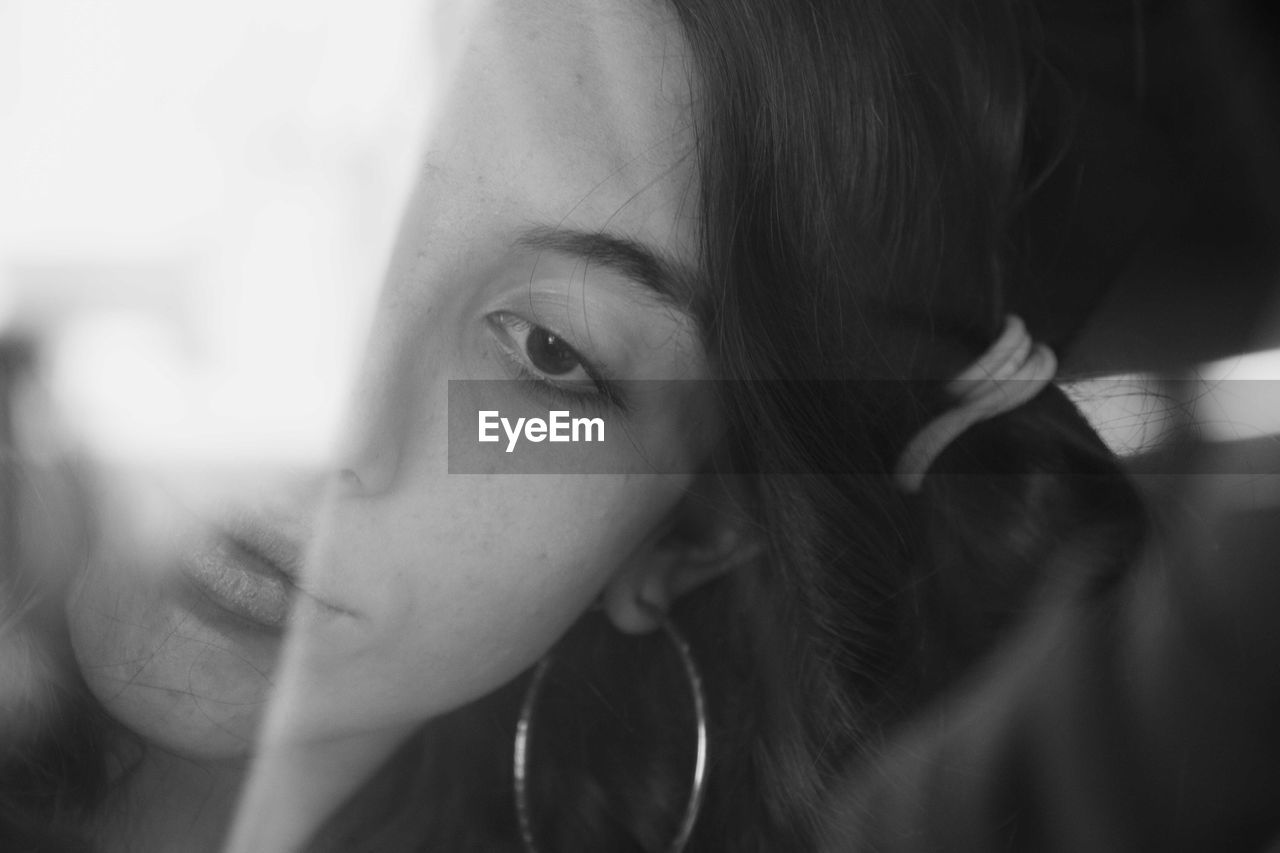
708 538
631 601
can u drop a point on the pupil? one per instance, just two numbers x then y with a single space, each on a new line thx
550 354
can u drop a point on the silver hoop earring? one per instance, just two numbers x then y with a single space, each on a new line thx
524 730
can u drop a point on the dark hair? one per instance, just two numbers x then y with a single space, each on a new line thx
861 171
52 733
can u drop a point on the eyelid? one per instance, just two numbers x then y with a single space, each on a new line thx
508 321
504 320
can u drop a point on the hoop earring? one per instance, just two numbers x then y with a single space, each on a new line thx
525 726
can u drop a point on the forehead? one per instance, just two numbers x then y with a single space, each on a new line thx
571 112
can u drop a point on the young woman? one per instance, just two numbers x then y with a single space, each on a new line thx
756 239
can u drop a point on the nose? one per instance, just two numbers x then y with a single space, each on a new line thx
371 474
372 447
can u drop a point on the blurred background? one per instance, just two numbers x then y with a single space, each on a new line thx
1154 240
196 202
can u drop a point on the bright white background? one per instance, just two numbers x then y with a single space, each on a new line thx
196 204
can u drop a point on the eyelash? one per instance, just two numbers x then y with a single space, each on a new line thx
603 391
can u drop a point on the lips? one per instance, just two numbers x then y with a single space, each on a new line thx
269 544
241 582
252 567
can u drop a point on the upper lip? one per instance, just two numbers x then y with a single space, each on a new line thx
280 544
268 542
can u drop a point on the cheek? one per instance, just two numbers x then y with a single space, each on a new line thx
161 672
477 595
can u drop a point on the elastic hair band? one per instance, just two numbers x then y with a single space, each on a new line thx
1010 373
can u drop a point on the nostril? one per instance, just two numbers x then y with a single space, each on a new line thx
367 472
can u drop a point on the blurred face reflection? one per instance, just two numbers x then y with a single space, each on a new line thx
564 133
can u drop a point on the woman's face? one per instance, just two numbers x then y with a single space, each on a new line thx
557 194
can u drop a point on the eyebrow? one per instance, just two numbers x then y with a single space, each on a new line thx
669 280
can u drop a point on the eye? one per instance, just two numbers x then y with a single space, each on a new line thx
541 349
549 353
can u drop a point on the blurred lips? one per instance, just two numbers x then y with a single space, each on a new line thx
241 582
268 543
251 569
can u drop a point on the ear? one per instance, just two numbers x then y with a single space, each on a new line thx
709 533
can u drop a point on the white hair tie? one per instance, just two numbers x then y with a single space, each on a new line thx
1010 373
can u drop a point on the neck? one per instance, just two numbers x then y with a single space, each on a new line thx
294 788
166 802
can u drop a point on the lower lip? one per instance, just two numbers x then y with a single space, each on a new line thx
240 584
